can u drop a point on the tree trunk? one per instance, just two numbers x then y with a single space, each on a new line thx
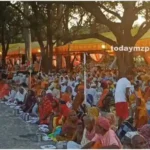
68 61
27 35
49 50
28 49
3 60
125 60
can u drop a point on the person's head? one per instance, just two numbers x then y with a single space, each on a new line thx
80 88
72 116
49 96
145 131
136 87
21 90
102 125
55 103
31 93
104 85
24 85
89 123
111 118
139 142
68 89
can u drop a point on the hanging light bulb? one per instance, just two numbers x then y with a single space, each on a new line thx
103 46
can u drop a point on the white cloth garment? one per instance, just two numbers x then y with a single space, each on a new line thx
56 93
63 88
20 97
93 92
11 95
120 93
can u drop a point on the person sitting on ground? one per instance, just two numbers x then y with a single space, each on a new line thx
112 120
145 132
75 143
139 142
30 102
45 108
126 126
69 127
59 114
4 90
89 130
56 91
12 94
21 94
105 138
79 98
66 96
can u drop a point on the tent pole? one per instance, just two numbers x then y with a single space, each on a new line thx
85 78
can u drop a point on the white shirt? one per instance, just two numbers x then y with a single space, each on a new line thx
93 92
20 96
12 94
120 93
63 88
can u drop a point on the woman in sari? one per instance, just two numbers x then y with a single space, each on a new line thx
58 115
147 91
103 103
4 90
30 102
66 96
45 109
141 115
69 127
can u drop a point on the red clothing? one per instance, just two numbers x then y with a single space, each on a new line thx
4 91
45 109
65 110
122 110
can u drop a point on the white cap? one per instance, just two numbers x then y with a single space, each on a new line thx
93 85
48 91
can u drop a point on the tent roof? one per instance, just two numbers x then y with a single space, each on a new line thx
18 48
111 36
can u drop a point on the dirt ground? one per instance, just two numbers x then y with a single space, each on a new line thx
15 133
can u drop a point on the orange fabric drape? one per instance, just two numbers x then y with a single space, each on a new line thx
97 57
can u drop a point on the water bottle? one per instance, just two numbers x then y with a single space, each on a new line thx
27 117
39 137
148 109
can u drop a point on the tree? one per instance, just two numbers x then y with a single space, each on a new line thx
119 17
50 22
9 20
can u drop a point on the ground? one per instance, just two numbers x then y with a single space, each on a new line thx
15 133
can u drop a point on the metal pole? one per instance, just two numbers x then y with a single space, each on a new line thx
84 78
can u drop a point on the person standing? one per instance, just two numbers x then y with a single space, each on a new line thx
122 98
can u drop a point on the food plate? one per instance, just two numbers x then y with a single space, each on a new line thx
48 147
12 106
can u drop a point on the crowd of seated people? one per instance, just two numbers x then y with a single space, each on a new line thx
57 100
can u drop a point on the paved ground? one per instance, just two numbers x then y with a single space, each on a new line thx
15 133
